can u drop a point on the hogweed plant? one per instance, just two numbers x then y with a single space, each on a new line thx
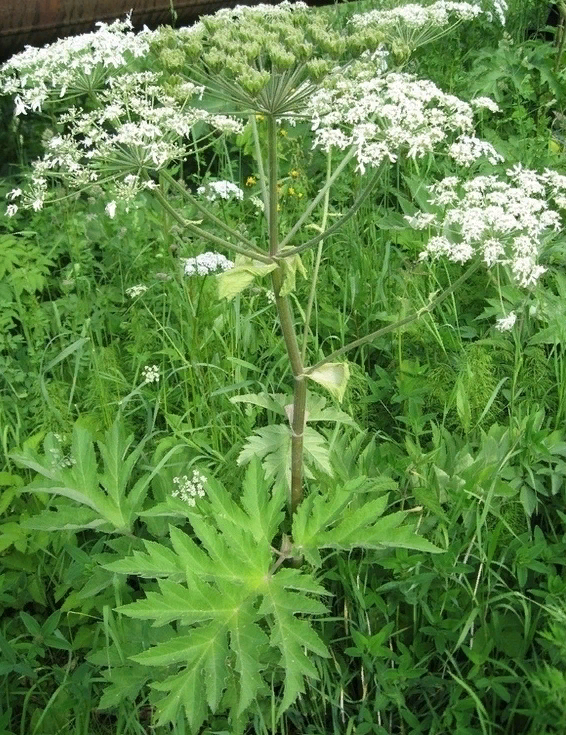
126 110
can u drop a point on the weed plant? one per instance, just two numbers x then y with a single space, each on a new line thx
132 398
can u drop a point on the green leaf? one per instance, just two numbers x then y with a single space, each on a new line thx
290 266
66 519
271 401
125 682
316 450
221 582
187 689
175 602
333 376
246 640
78 478
265 514
272 444
328 521
158 561
236 279
293 638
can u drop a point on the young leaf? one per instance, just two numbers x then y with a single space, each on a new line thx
333 376
290 267
236 279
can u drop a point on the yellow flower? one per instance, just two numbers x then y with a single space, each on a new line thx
294 173
251 180
260 118
291 191
284 133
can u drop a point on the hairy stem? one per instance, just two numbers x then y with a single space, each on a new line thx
285 313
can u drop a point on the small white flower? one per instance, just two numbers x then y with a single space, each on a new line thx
421 220
11 210
188 489
110 209
150 374
487 102
206 263
257 202
220 189
506 323
135 291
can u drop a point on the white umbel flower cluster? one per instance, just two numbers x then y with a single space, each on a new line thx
209 262
70 66
189 489
135 129
383 115
150 374
411 25
214 190
505 222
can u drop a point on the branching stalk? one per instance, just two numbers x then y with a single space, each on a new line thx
209 216
401 323
318 198
192 228
338 224
316 268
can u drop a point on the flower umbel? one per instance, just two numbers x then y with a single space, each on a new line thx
505 324
506 222
209 262
150 374
188 489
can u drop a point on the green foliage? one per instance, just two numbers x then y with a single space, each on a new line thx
248 616
125 609
240 607
108 499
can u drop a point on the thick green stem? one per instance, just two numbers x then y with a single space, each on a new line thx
285 313
254 255
401 323
297 441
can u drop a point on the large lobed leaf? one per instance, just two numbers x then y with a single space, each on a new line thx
108 492
338 520
236 610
